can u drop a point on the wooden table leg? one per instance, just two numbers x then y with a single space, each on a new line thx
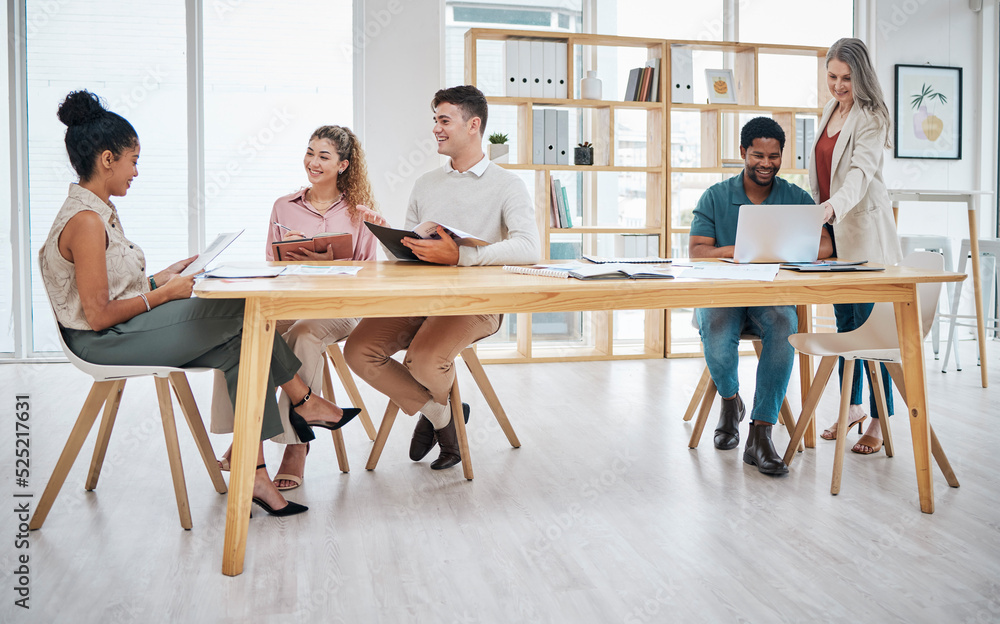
255 362
912 350
977 287
806 372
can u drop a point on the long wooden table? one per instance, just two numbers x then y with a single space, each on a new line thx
384 289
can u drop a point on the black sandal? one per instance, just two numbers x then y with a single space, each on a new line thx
288 510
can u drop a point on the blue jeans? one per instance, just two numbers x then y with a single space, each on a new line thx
851 316
720 330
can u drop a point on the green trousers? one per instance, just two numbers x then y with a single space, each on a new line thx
188 333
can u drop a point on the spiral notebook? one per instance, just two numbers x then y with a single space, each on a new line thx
593 272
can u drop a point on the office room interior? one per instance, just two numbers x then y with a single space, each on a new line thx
605 512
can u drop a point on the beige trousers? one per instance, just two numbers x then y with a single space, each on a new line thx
432 343
308 339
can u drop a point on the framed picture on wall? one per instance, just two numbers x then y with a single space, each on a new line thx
720 86
928 112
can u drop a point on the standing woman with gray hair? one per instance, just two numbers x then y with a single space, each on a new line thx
845 175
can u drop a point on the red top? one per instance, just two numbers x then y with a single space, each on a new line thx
824 161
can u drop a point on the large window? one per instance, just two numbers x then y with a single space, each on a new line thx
269 78
7 214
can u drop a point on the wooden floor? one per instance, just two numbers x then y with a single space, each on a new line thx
603 515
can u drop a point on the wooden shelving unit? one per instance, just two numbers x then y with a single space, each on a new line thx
599 123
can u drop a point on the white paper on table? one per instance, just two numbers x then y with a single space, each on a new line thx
722 270
231 271
312 269
211 253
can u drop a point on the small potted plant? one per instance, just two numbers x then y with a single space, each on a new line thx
583 154
499 150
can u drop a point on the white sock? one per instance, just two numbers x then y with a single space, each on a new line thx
438 414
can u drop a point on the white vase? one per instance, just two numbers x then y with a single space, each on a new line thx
499 152
590 87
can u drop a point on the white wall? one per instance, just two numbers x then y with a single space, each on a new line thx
403 50
948 33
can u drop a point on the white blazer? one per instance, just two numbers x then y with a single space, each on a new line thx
864 228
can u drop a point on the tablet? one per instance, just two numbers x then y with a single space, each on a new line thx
211 253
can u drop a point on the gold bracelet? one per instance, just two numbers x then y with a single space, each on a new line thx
146 301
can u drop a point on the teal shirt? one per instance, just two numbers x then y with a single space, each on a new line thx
718 210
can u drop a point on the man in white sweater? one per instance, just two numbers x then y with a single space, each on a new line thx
471 194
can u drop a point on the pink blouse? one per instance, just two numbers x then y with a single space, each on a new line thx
294 212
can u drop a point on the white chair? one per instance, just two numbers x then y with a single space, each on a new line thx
989 249
941 245
109 382
876 341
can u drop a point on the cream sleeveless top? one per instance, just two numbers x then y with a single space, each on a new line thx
125 260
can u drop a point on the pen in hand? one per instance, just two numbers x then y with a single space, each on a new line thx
284 227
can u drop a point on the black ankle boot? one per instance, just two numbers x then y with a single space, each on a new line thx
760 451
447 438
727 432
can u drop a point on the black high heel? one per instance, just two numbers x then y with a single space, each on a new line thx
288 510
302 426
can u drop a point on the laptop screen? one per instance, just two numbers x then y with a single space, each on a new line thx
778 233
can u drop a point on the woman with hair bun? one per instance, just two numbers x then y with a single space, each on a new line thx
845 174
110 312
339 199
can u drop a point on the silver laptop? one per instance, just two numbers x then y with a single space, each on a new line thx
778 233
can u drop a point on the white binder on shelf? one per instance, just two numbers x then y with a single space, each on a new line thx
681 76
538 137
804 136
562 137
537 69
562 87
523 68
549 70
510 68
551 135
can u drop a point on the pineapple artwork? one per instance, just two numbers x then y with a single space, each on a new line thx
926 125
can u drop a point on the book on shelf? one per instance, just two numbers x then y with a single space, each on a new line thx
580 271
644 76
654 90
554 203
392 239
633 83
341 242
565 204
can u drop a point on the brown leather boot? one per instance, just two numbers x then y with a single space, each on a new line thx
447 438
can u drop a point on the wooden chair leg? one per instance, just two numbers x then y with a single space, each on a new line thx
182 390
99 392
896 372
104 433
875 380
816 388
338 436
347 380
942 460
706 407
479 375
459 420
699 393
173 450
845 408
383 434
